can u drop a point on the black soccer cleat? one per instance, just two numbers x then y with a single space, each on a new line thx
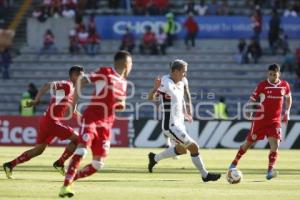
211 177
59 168
152 161
8 170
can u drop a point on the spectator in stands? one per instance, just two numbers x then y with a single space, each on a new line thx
23 109
128 40
220 109
162 6
254 51
148 43
297 81
192 29
297 55
162 41
48 43
140 6
93 44
296 7
256 23
289 62
32 90
40 14
56 8
73 42
191 7
202 8
91 24
170 28
274 28
72 4
213 8
47 7
282 42
6 60
83 38
113 4
290 12
90 4
68 12
223 8
240 57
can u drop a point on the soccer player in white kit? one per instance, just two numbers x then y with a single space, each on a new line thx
171 89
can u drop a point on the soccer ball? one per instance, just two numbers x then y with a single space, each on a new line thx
234 176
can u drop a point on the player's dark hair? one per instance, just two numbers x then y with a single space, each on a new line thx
177 65
121 55
274 67
75 68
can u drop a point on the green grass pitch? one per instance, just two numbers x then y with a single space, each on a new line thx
125 177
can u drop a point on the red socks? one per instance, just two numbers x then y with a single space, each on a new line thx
72 169
20 159
86 171
238 156
66 154
272 159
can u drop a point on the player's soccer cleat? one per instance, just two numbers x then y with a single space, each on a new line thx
59 168
8 170
271 174
152 162
66 191
232 166
211 177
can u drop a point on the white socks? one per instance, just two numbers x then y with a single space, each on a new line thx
168 153
199 165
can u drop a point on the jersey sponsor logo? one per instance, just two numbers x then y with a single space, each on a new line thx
86 137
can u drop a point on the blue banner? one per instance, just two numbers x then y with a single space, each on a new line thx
113 27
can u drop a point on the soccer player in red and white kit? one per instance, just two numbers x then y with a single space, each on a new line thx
97 120
50 125
266 122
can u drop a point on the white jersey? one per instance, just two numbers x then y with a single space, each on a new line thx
172 96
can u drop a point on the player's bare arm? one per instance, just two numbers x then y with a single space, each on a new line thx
153 91
288 105
46 87
188 100
81 82
250 108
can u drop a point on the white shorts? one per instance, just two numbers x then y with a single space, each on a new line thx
180 135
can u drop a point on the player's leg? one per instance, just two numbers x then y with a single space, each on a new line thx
274 144
167 153
242 150
100 149
80 152
25 156
68 152
199 164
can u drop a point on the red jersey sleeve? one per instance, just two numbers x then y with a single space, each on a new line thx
97 75
255 94
61 85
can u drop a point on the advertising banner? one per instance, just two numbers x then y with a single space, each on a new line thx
213 134
225 27
22 131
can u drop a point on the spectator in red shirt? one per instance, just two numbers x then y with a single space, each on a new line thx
140 6
161 6
128 41
83 38
192 29
148 42
93 43
73 42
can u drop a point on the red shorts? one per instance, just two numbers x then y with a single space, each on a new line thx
259 130
49 129
97 137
